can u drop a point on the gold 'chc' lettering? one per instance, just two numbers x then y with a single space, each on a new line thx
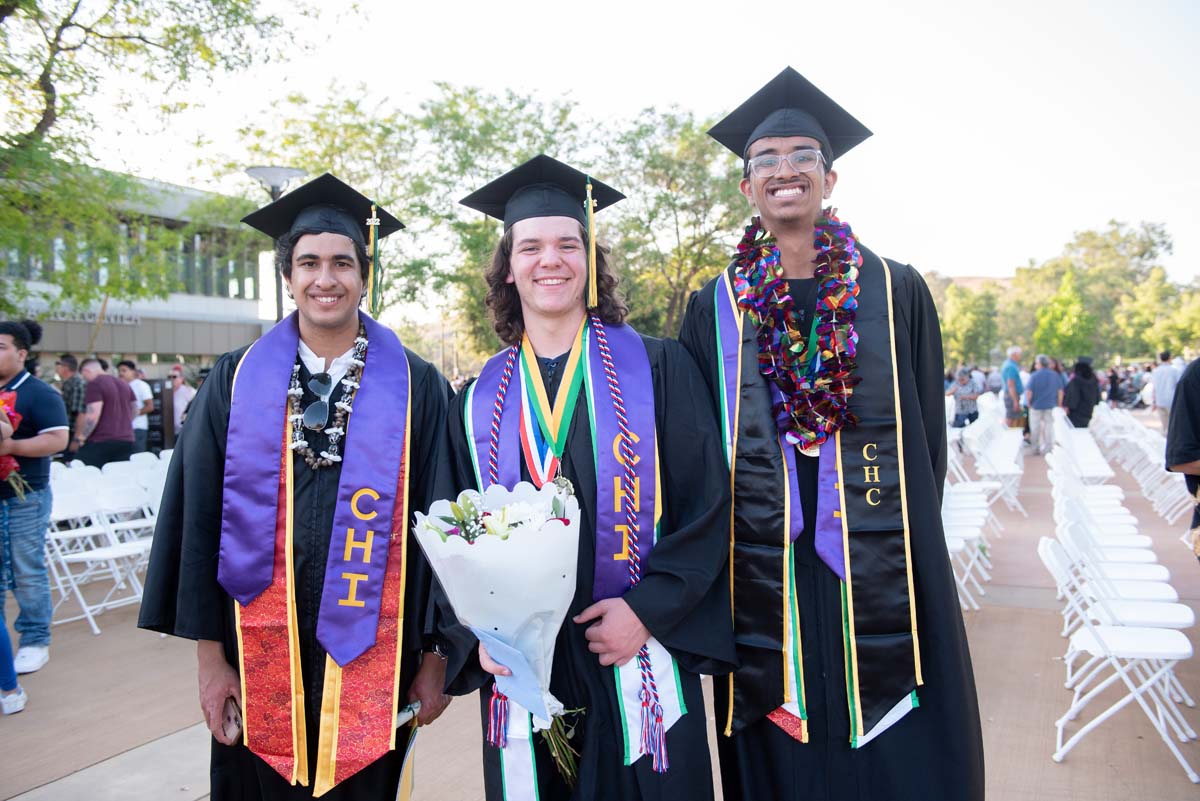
874 456
871 473
363 545
354 504
352 598
875 490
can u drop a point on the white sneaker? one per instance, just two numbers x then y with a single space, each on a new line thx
13 703
31 658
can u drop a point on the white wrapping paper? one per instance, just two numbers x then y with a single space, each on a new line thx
513 590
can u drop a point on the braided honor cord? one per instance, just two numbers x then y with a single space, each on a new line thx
653 740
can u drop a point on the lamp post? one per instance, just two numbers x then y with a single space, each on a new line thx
275 180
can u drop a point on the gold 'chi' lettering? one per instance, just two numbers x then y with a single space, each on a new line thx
616 446
619 493
352 598
354 504
363 545
623 555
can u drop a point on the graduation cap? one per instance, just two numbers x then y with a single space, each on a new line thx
789 105
323 205
329 205
546 187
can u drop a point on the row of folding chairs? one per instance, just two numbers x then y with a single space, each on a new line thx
1141 451
996 450
1080 447
98 541
1121 617
971 526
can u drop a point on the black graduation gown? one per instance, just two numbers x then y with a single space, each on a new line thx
1183 429
683 598
936 750
182 596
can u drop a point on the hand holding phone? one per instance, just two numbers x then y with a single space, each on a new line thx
231 720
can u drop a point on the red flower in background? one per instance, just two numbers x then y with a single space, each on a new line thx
9 467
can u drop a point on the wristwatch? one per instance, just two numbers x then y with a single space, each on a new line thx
433 646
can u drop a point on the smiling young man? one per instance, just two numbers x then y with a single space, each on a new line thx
582 396
281 544
824 362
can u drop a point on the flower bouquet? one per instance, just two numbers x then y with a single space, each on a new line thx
9 467
507 561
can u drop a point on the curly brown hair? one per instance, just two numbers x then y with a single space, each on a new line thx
504 304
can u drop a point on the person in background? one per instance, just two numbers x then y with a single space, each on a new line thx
105 432
143 403
1164 378
23 521
1082 394
73 389
1012 387
12 695
181 395
1183 440
964 392
1044 393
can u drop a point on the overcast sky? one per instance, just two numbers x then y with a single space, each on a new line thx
999 130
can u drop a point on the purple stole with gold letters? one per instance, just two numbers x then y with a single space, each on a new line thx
361 618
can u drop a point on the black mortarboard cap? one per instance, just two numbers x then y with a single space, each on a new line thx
323 205
789 105
541 187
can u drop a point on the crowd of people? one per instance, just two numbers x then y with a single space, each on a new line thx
86 413
1031 394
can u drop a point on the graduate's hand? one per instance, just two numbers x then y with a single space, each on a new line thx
490 665
218 681
618 636
428 686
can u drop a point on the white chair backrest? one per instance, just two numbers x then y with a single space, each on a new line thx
144 458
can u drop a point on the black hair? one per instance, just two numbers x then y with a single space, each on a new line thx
1165 356
69 361
25 334
285 246
127 363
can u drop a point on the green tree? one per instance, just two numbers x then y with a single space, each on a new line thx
679 223
969 328
1108 265
1065 326
1143 316
81 233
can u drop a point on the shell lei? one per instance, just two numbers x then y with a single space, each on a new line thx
816 376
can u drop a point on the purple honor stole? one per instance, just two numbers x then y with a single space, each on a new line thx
364 570
620 392
861 527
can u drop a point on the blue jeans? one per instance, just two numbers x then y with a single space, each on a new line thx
23 537
8 671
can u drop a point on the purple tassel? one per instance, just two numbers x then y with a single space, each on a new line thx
497 733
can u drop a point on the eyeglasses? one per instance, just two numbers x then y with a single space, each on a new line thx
316 416
768 164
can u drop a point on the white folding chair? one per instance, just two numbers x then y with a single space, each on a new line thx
1141 658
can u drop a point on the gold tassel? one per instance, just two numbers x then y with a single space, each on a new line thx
372 254
593 296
